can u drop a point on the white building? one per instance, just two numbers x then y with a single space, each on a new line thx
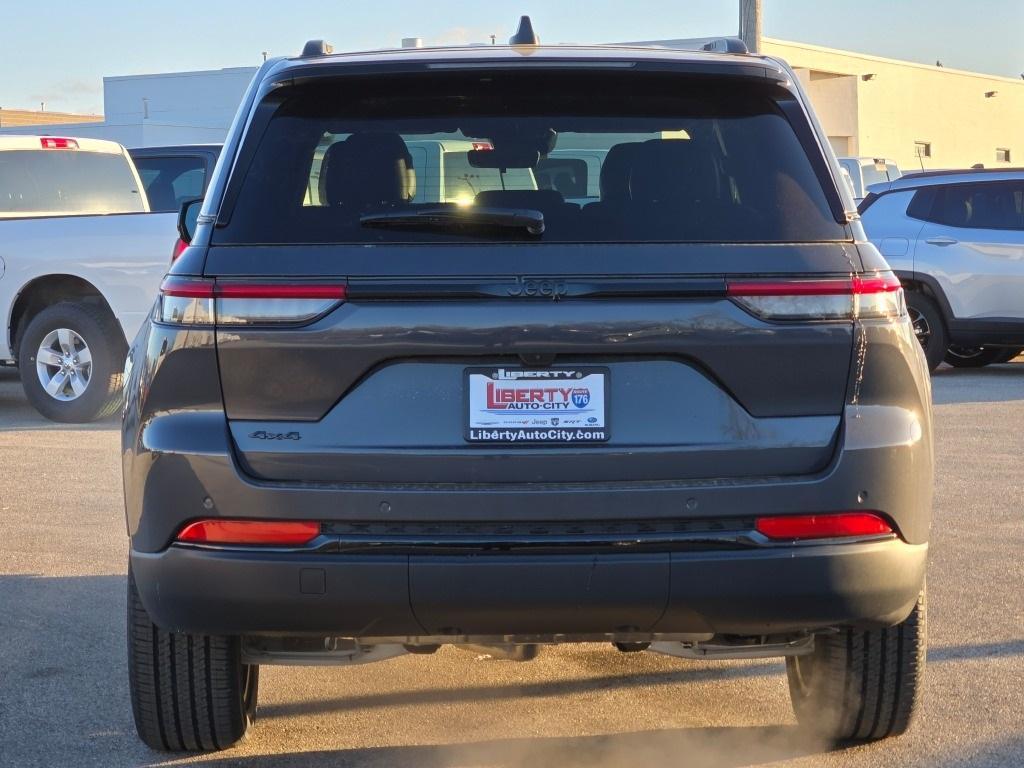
921 116
158 110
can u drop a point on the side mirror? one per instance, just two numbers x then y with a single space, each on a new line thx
187 218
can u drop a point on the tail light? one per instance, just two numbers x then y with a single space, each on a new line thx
265 532
52 142
179 247
878 295
198 301
828 526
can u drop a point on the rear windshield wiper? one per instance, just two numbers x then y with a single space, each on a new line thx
453 216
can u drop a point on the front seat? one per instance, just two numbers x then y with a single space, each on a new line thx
607 216
367 171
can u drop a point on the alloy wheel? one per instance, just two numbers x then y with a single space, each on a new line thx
922 330
64 364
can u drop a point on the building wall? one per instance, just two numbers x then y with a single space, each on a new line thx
176 107
884 116
162 109
906 103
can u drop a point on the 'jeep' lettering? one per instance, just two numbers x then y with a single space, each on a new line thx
533 287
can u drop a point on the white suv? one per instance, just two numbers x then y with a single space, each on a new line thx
956 240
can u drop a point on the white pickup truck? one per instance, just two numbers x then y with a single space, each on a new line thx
81 258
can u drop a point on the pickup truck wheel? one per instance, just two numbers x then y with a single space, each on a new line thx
71 358
861 685
928 327
188 692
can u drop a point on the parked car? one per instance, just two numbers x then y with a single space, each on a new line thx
865 171
689 417
175 174
81 259
956 241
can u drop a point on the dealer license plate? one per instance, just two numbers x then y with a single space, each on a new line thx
552 405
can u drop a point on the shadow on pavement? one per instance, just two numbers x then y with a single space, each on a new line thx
991 384
980 651
17 414
63 671
690 747
545 689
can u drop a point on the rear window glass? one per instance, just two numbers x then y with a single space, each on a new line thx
678 160
874 175
59 181
567 175
170 181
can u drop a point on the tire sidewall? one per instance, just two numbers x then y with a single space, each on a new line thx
90 404
938 343
985 356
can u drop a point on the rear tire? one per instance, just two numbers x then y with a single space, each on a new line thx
98 333
861 686
977 357
928 327
188 692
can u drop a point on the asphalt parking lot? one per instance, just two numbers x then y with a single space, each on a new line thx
63 685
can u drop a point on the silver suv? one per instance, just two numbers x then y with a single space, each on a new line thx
956 241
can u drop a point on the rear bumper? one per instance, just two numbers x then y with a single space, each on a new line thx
748 592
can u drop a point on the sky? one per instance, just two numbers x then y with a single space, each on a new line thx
58 52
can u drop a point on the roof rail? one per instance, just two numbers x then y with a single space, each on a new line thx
725 45
316 48
712 44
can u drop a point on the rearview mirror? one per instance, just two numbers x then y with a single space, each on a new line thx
187 218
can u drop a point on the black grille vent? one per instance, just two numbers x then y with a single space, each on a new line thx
555 529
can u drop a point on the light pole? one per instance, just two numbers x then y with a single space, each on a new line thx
750 24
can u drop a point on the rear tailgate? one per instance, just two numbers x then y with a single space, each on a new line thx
710 174
375 391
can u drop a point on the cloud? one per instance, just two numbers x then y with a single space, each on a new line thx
70 95
460 36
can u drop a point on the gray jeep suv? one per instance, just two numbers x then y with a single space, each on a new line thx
690 416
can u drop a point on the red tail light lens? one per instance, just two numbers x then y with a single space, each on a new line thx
878 295
828 526
51 142
198 301
276 532
179 247
185 301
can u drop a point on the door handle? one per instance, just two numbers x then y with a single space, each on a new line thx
943 240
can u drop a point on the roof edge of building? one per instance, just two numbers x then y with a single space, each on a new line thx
183 73
888 60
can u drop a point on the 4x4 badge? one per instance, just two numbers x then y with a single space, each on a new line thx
264 435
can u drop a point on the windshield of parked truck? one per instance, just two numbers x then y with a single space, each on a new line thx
679 160
67 181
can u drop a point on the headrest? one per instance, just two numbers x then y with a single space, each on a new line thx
615 171
368 169
672 171
520 198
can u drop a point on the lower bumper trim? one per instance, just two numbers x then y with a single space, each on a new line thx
754 591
